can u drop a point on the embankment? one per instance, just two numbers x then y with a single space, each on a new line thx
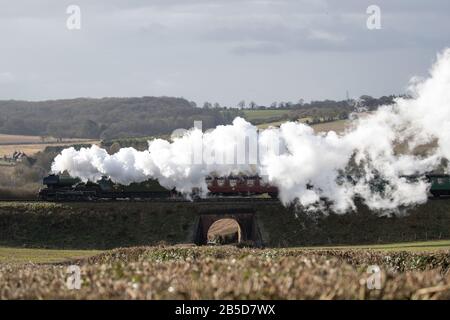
121 224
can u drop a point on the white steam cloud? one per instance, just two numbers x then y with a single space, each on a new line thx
410 137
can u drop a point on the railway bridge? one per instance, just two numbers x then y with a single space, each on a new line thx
262 221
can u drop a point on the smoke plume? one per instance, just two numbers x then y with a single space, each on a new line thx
369 161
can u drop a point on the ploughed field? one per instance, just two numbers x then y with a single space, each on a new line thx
187 272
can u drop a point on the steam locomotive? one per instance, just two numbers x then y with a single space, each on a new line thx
64 188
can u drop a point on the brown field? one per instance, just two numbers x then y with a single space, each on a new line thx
33 144
20 139
231 273
338 126
29 149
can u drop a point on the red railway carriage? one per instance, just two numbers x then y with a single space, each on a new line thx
240 186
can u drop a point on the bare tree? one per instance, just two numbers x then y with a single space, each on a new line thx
241 104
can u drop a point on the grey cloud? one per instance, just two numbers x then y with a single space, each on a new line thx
216 50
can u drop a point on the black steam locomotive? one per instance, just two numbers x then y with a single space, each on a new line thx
60 187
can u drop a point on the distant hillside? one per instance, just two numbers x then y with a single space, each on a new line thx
118 118
106 118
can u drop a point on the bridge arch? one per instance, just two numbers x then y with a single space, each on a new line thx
246 220
224 231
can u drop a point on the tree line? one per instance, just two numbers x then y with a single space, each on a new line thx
115 118
106 118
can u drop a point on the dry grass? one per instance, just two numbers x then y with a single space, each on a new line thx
231 273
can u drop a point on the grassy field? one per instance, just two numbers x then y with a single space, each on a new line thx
252 115
231 273
10 255
27 255
274 124
407 246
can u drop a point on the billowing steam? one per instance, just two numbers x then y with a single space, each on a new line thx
369 161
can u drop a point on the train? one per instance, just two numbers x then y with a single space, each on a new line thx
440 184
62 187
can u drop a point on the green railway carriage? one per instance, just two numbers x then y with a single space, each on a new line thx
146 189
440 184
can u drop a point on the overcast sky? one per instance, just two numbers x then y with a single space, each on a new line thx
217 50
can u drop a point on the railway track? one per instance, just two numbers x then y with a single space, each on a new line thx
156 200
208 200
19 200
